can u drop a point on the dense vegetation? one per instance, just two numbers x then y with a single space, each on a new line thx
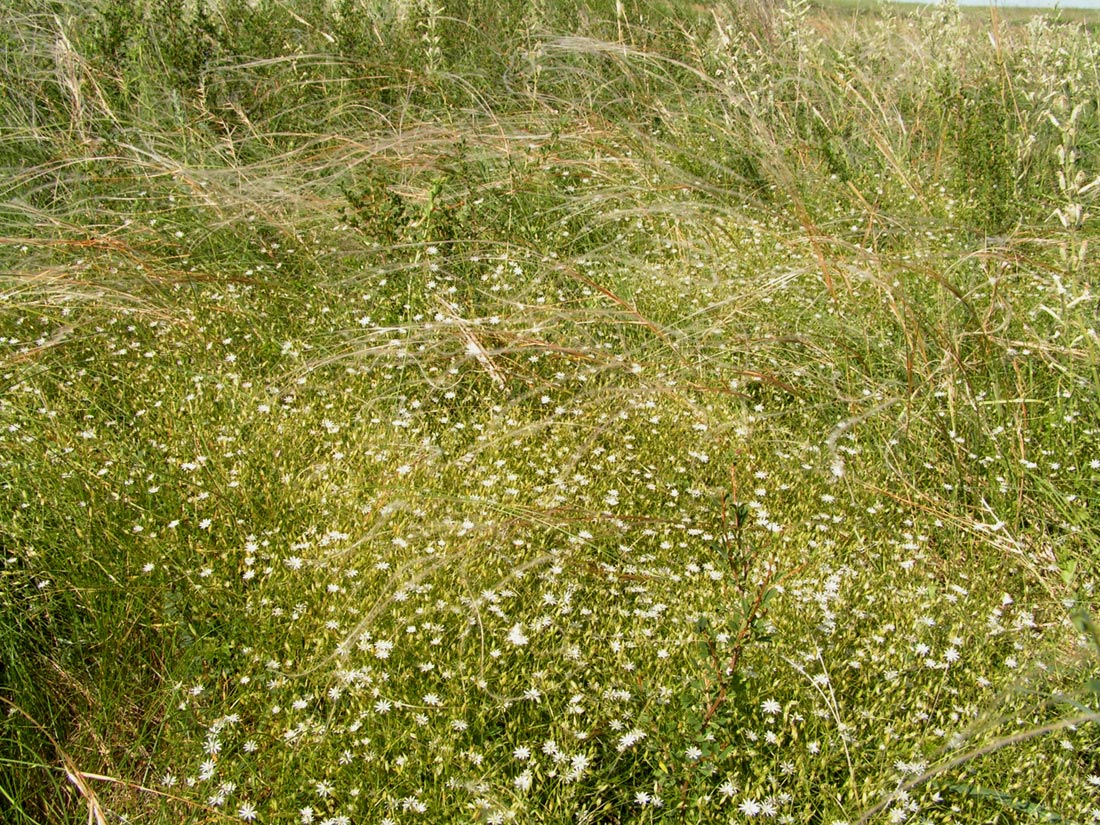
465 410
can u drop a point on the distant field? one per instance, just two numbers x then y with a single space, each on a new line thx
1013 14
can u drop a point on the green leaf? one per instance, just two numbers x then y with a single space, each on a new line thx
1085 624
1069 571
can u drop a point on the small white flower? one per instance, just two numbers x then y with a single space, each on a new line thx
749 807
382 649
516 636
246 812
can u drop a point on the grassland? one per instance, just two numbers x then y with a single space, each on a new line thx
547 412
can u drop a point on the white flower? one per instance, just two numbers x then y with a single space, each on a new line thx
523 781
516 636
749 807
382 649
246 812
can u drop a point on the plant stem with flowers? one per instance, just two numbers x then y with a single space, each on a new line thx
748 611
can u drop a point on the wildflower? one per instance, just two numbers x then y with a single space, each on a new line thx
749 807
523 781
522 753
382 649
516 636
629 739
246 812
411 803
771 707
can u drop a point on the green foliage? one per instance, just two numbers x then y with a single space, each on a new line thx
980 119
546 412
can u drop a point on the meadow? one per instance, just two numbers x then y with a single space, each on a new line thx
583 412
